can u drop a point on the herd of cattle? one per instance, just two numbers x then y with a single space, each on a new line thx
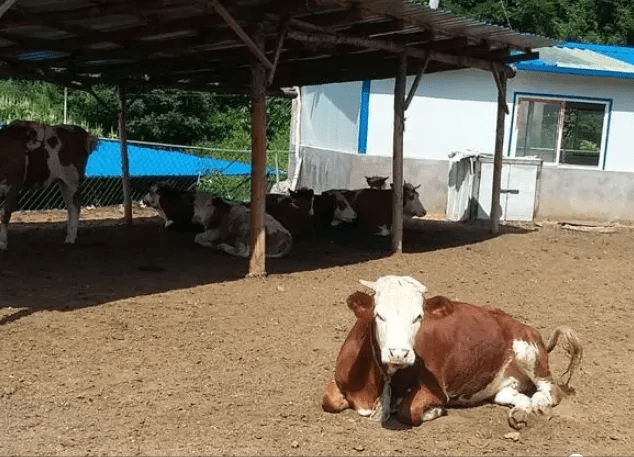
301 214
405 354
34 154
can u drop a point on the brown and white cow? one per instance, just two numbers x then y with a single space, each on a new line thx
294 211
414 357
228 227
33 154
374 208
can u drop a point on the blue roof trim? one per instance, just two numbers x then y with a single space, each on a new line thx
620 53
544 68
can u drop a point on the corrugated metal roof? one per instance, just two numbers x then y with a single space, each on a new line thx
587 59
206 45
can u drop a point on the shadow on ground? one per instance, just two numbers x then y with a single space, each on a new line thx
113 260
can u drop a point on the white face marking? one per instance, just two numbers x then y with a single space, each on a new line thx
203 209
398 315
343 210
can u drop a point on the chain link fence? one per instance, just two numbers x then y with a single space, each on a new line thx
224 172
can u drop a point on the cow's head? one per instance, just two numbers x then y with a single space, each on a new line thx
304 198
34 133
209 210
153 196
343 210
412 205
376 182
398 316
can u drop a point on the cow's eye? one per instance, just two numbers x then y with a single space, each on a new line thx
379 317
418 318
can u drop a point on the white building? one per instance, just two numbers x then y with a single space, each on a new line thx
573 108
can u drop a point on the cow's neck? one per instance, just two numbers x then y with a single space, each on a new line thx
381 410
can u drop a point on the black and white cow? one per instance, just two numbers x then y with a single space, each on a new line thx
175 206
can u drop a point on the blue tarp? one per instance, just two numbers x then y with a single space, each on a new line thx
145 160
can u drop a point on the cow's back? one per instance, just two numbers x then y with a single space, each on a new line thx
373 208
463 345
74 145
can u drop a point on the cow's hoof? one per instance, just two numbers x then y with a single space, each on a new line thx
518 418
544 410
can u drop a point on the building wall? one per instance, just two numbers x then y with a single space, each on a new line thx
456 111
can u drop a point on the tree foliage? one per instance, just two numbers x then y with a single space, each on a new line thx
595 21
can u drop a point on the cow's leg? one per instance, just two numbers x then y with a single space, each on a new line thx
72 198
334 400
10 203
421 405
207 238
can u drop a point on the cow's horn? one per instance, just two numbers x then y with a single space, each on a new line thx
370 284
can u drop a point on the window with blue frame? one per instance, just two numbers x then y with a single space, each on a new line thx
560 131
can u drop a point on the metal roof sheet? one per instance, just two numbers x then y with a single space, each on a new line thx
587 59
209 44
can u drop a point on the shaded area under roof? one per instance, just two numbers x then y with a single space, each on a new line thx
208 44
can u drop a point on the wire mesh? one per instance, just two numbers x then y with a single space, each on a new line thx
225 173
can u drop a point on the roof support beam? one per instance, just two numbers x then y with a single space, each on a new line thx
125 163
500 80
231 22
257 255
397 155
412 90
463 61
278 48
5 5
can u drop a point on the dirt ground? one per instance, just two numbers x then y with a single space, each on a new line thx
139 342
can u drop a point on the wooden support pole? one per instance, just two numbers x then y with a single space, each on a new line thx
257 257
125 165
500 78
397 155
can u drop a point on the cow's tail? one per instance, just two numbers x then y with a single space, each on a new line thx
571 344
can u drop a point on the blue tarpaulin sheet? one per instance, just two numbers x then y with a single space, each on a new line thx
145 160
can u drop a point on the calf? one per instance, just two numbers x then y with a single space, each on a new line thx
34 155
376 182
228 227
374 208
414 357
175 206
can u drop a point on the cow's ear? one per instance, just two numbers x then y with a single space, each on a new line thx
370 284
217 201
361 304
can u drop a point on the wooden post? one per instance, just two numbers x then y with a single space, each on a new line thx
397 155
257 257
500 79
125 165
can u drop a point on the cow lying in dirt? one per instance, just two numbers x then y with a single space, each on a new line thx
175 206
414 357
34 155
373 206
228 227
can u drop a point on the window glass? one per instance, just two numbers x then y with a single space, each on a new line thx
582 132
558 131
